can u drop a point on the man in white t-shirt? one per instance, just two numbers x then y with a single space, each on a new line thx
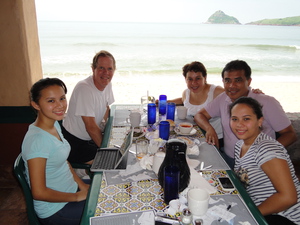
237 79
88 108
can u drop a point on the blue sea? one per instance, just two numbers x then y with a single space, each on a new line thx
157 49
150 56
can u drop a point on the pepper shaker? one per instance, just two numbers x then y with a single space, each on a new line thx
198 222
187 217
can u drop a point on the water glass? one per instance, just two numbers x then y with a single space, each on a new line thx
162 104
141 148
171 106
145 100
164 130
151 113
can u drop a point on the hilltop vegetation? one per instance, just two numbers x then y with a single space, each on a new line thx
220 17
288 21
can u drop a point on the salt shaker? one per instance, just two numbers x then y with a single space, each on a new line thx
186 217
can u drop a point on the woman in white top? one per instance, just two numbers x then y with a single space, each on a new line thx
198 92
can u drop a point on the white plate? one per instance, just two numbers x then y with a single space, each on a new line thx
142 131
193 131
190 143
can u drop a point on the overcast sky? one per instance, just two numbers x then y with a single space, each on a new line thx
177 11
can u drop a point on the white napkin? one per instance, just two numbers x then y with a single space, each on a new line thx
192 162
146 162
193 150
176 205
197 181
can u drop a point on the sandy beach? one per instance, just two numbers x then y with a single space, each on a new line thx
130 88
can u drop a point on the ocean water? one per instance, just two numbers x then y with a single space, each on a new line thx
150 49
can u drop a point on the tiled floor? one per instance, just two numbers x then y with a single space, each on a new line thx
12 202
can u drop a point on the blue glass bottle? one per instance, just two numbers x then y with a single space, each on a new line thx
171 183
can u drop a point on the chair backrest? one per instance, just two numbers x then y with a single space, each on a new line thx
19 170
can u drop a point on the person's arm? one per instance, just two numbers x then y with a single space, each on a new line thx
177 101
202 119
37 173
287 136
279 173
93 129
106 115
82 186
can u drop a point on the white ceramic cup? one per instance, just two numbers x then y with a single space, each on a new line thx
141 148
134 119
157 161
181 112
198 200
185 128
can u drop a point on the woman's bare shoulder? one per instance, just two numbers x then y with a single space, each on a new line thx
218 91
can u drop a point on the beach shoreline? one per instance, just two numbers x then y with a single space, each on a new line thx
129 89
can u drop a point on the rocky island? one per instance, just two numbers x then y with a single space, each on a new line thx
220 17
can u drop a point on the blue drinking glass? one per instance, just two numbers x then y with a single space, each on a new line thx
151 113
171 183
162 104
171 110
164 130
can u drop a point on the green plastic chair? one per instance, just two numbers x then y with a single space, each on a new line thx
19 170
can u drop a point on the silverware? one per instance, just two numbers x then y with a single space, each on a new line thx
201 167
207 167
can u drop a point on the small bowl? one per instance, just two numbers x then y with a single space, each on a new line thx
185 128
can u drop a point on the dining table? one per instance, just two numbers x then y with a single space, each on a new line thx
138 189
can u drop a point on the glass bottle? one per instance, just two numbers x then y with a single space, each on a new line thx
176 156
171 183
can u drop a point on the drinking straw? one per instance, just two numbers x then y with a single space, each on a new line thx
147 96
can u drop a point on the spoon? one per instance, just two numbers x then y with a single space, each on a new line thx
201 167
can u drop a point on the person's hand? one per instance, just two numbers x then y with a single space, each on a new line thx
257 91
84 187
81 195
212 137
102 125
